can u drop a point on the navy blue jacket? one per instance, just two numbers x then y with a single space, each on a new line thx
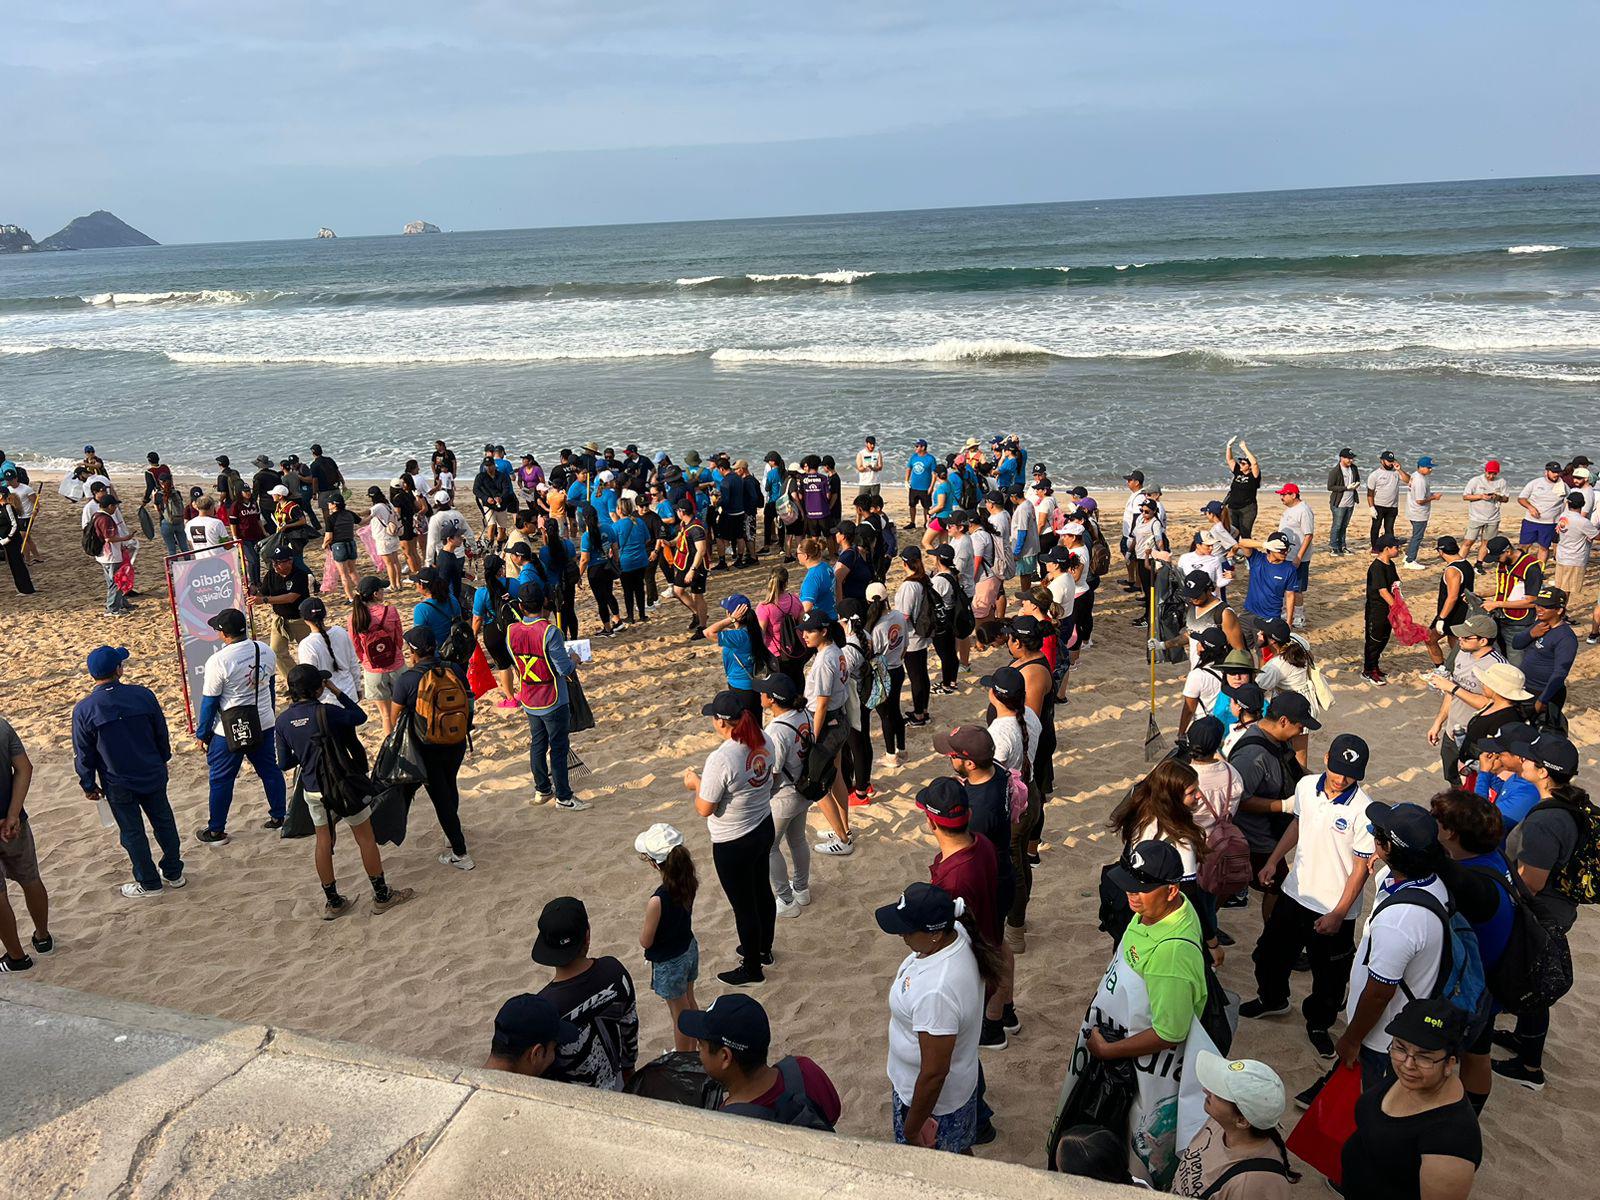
119 738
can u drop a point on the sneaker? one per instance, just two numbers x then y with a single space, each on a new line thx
573 804
332 910
9 964
766 958
1515 1070
43 945
1415 566
1302 963
857 799
1592 640
1017 938
917 722
1224 938
1258 1008
986 1133
506 702
1374 677
211 837
1088 643
1506 1040
1033 858
461 862
993 1036
740 977
272 823
181 881
1141 622
543 797
788 908
396 896
138 891
1242 900
1322 1043
1009 1018
1299 621
835 846
1302 1100
802 896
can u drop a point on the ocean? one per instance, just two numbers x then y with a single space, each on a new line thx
1457 319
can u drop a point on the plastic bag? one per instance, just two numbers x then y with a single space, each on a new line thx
582 716
123 576
1101 1096
297 821
479 677
398 761
678 1078
1320 1136
1406 630
391 809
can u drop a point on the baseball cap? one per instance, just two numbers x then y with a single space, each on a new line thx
526 1021
945 802
1133 477
659 457
726 705
1386 456
1349 755
1060 555
562 926
815 621
1152 489
1492 465
1212 638
103 661
1496 546
1205 735
1276 630
1007 683
1425 461
1549 750
1447 545
1346 452
922 908
1247 696
1477 625
1276 543
945 554
1430 1023
960 517
313 609
1252 1087
1385 542
1511 734
1289 489
658 841
735 602
1025 626
1580 472
1212 508
1088 504
910 554
1148 866
920 442
421 639
734 1020
229 621
1553 465
441 497
967 741
1294 707
876 591
1550 597
1408 825
305 678
780 687
530 594
282 553
88 449
280 490
1508 682
1072 529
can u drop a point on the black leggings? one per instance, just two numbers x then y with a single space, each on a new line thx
633 591
1083 616
441 765
1024 831
917 670
605 600
890 715
945 643
855 762
742 870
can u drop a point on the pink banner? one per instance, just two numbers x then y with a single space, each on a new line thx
200 588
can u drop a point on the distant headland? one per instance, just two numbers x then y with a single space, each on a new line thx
99 230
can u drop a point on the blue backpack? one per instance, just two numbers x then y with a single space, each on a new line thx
1461 976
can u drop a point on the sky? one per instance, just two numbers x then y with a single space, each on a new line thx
256 119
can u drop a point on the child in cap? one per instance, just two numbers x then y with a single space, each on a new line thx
668 938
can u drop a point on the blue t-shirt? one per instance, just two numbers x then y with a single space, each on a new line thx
1494 933
606 541
1007 474
1514 797
817 589
633 543
1268 582
774 483
547 565
481 606
606 504
437 617
738 660
921 467
943 498
577 492
503 465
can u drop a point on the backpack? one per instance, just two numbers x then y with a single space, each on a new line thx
1099 551
379 645
817 771
891 541
443 707
1213 1017
1461 979
874 683
794 1106
1535 968
1245 1166
1225 870
962 620
93 544
341 769
922 619
1578 879
969 489
791 646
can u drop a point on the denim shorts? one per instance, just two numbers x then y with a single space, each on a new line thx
344 552
671 979
957 1130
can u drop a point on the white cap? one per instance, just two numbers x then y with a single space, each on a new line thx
658 841
1208 537
876 591
441 497
1252 1087
630 495
280 490
397 482
607 476
1580 472
1075 528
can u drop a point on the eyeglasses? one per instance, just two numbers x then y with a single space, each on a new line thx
1415 1057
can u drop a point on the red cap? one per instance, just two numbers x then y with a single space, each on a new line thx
1289 489
1492 465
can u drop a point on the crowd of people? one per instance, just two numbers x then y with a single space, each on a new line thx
1472 895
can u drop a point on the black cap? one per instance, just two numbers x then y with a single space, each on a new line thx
1509 736
1008 684
735 1020
910 554
780 687
282 553
945 554
1060 555
815 621
370 586
1408 825
562 926
1496 546
229 621
313 609
421 639
960 517
1550 597
727 705
1348 756
1549 750
1276 630
530 594
1346 452
1197 584
1212 638
922 908
1386 456
1430 1024
1295 707
1447 545
306 680
1148 866
945 802
425 576
1025 626
1205 735
1133 477
1247 696
1552 465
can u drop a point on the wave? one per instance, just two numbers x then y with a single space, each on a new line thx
819 277
1533 248
951 350
207 296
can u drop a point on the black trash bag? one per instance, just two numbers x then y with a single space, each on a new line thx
391 809
678 1078
1102 1097
398 762
582 716
297 820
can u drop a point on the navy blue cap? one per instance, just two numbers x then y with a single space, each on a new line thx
1148 866
727 705
780 687
530 594
922 908
526 1021
1407 825
1348 756
104 660
735 1020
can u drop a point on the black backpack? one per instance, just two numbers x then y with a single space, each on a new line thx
1535 968
93 544
922 620
791 645
341 769
962 621
794 1106
1214 1016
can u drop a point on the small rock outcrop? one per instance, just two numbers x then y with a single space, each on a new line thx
413 227
325 232
14 239
100 230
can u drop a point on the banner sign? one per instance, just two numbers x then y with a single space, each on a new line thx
200 588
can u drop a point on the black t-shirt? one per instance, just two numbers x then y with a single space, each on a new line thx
10 748
1383 1158
1244 485
296 582
858 574
405 506
1458 613
673 930
601 1003
342 524
1380 575
326 472
989 808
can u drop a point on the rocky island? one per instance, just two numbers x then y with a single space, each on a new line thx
100 230
325 232
413 227
14 239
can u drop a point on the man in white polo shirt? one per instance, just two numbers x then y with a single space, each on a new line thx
1544 499
1321 898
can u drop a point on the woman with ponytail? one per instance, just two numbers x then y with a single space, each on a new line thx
744 648
375 633
888 629
668 939
597 556
557 563
330 650
828 691
492 618
734 795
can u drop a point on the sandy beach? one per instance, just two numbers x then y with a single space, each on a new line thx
244 940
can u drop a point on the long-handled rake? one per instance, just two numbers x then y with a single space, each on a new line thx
1155 746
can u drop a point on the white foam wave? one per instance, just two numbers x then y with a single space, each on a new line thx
20 350
697 280
210 358
819 277
948 350
1533 248
223 296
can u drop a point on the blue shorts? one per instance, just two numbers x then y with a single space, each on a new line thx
1535 534
1302 577
957 1129
671 979
1029 565
344 552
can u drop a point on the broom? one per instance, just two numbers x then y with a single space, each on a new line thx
1155 746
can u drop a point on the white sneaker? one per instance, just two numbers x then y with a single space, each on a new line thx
802 896
791 909
834 846
1299 620
1088 643
573 804
180 881
137 891
461 862
1413 566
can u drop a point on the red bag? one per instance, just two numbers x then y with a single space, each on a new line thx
1320 1136
479 677
1405 626
123 576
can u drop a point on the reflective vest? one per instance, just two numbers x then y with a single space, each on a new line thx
1512 585
529 658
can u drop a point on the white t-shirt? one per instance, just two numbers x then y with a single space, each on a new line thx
232 674
342 664
908 598
1417 508
1404 943
738 780
1211 564
203 531
1007 735
1301 521
1221 784
1384 484
940 995
871 467
1352 486
1481 511
889 639
1064 592
1332 837
1130 512
1186 855
1202 684
1548 499
1575 534
24 494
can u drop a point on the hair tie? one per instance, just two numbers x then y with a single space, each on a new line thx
961 906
